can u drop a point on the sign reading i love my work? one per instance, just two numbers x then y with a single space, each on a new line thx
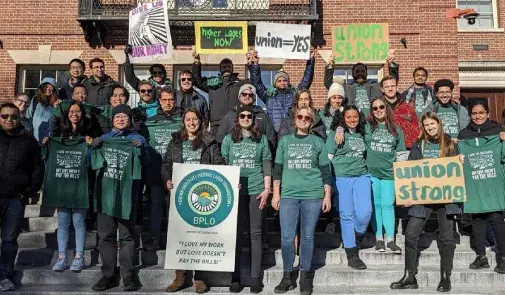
429 181
360 42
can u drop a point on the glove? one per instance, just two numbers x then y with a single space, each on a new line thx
128 49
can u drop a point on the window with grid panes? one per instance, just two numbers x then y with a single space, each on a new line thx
346 74
31 76
486 9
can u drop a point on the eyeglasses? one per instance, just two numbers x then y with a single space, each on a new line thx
22 101
303 118
246 94
158 73
146 90
479 113
186 79
381 107
13 117
243 116
167 100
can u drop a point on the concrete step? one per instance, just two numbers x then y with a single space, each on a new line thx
32 211
318 290
334 275
48 239
40 224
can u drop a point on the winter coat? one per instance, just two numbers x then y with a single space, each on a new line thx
462 112
149 109
86 128
279 102
99 92
21 166
92 113
134 81
40 117
405 117
67 89
416 153
196 100
211 154
428 93
222 90
489 128
287 126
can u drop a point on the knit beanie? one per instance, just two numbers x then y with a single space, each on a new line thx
281 74
122 109
247 87
336 89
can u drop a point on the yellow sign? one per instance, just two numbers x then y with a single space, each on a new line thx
360 42
429 181
220 37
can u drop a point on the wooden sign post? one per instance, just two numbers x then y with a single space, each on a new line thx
360 42
221 37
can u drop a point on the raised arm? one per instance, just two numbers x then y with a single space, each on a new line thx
328 72
308 74
133 80
255 73
196 69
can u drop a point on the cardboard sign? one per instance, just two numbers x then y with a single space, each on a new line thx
202 225
360 42
283 40
430 181
149 32
221 37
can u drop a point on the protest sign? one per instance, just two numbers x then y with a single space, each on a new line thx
202 221
283 40
221 37
430 181
360 42
149 32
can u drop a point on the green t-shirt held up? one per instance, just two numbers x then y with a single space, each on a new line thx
118 164
301 158
450 120
66 173
249 156
381 147
349 158
484 175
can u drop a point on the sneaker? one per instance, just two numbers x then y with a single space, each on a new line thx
106 283
380 246
480 262
129 284
7 285
330 228
394 248
61 264
77 264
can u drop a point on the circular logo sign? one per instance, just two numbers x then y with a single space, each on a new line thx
204 198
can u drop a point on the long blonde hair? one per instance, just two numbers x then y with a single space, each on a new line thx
447 147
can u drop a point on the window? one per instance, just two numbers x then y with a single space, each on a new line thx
31 76
142 72
487 10
267 77
346 74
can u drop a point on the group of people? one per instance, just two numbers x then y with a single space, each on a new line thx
95 156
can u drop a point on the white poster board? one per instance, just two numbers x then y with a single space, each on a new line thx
283 40
202 224
149 32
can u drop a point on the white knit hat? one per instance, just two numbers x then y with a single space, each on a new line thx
336 89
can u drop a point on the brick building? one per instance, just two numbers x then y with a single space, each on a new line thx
39 38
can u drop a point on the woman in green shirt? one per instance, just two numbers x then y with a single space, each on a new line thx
303 168
247 148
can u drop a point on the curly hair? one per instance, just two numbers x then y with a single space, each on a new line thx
338 120
390 125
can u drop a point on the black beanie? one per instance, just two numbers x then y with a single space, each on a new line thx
122 109
442 83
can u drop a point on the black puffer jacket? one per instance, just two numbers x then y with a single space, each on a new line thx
21 167
211 154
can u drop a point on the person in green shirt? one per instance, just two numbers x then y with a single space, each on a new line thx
247 148
433 144
484 155
304 170
192 144
352 181
335 104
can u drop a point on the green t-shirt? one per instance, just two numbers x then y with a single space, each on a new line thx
381 147
118 164
301 158
419 105
484 175
326 121
249 156
450 120
66 173
362 100
190 156
349 158
430 150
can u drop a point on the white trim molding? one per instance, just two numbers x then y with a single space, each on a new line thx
482 74
44 56
325 54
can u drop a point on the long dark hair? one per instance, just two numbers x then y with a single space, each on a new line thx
198 142
390 125
294 106
66 125
339 120
41 96
447 146
236 131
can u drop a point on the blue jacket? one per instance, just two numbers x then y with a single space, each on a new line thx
126 134
151 109
279 102
40 116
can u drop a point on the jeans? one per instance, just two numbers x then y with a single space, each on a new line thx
291 211
383 192
157 200
446 243
479 223
248 209
355 206
65 215
12 212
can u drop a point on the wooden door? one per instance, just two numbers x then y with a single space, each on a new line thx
494 98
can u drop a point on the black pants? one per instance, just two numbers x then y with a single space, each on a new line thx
157 204
446 243
12 212
479 221
248 209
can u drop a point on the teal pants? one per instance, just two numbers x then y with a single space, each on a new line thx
383 192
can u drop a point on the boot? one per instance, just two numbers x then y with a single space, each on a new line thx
287 283
200 286
445 281
353 259
256 285
408 281
306 281
359 239
178 283
500 265
480 262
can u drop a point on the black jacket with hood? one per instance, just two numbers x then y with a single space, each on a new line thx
67 89
473 130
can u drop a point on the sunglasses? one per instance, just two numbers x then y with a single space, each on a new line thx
146 90
158 73
303 118
243 116
6 116
251 95
381 107
186 79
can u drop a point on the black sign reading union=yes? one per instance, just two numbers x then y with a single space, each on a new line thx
221 37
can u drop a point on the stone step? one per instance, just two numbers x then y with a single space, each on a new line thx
268 290
33 211
40 224
48 239
335 275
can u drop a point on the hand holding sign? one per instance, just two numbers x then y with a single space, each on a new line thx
196 57
391 57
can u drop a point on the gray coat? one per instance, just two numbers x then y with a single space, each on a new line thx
462 112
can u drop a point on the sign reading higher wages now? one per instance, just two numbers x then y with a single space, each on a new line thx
360 42
283 40
202 221
429 181
221 37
